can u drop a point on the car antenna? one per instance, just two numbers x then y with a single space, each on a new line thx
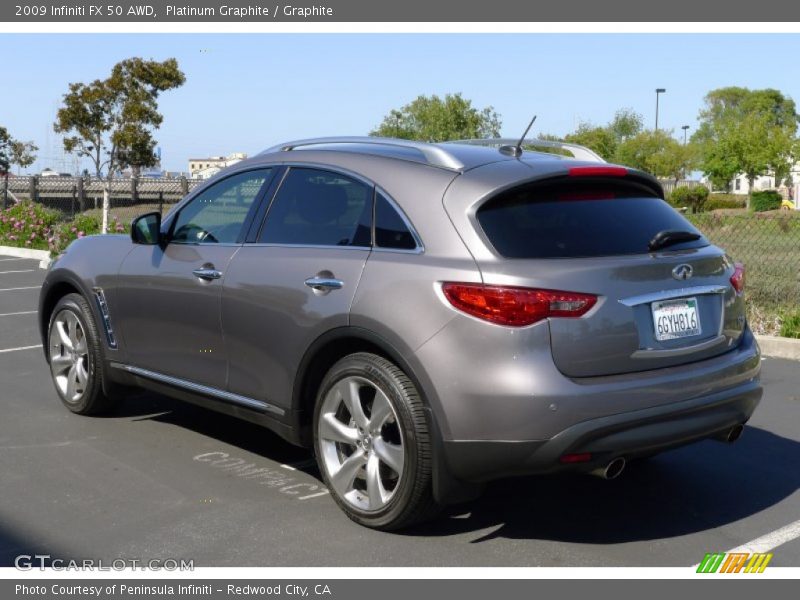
517 150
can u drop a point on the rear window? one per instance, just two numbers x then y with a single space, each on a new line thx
579 219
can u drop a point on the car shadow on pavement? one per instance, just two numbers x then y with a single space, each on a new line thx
692 489
229 430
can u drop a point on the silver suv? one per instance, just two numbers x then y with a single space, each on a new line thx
426 317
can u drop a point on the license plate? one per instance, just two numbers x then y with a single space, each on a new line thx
676 319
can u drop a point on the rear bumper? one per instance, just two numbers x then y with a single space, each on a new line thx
628 435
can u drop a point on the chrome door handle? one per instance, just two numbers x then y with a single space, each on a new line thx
324 283
207 274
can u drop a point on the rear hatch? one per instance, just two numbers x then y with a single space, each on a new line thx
661 300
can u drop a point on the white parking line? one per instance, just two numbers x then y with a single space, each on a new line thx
8 259
25 312
20 348
314 495
30 287
771 540
8 272
300 465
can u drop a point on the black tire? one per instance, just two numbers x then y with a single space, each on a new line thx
91 400
412 498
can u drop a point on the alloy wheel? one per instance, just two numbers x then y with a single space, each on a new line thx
361 443
69 356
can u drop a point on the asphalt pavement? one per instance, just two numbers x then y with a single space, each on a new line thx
160 479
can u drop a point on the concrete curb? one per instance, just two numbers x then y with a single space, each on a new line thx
43 256
779 347
24 252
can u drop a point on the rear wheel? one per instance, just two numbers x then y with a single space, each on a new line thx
75 357
372 443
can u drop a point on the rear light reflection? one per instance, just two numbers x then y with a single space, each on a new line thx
576 458
737 279
515 306
593 171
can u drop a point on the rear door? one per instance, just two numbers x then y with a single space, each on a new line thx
658 305
296 280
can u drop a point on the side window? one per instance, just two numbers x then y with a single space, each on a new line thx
216 216
319 208
391 230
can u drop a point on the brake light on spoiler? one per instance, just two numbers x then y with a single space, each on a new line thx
597 171
515 306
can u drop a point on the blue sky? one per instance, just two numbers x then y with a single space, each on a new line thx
247 92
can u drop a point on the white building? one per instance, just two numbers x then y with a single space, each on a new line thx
203 168
741 185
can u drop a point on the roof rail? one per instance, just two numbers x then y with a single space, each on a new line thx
431 154
578 152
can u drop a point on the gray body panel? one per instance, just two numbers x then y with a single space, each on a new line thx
270 317
252 334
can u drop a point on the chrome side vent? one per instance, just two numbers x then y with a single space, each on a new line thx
100 298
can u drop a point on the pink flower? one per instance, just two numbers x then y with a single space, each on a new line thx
81 234
12 237
74 230
27 242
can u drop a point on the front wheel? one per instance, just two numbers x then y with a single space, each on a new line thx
372 443
75 357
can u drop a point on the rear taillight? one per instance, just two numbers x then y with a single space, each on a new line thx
737 279
515 306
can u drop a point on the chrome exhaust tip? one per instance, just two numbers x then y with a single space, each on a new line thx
612 470
734 433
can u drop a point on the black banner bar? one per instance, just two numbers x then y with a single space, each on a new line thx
489 11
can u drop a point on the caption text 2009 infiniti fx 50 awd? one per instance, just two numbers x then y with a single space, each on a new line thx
427 317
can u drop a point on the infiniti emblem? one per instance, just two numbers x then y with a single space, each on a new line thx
682 272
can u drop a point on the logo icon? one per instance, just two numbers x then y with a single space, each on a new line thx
682 272
734 562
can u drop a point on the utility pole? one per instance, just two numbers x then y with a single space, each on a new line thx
658 91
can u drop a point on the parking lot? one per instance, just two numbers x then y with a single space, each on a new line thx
159 479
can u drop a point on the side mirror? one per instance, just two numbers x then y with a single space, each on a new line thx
146 229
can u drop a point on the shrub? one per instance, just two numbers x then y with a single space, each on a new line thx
27 225
82 225
764 201
716 201
790 326
693 197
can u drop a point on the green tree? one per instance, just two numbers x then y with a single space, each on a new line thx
746 131
656 152
626 124
111 121
435 119
599 139
13 152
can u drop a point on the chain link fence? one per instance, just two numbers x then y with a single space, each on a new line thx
769 246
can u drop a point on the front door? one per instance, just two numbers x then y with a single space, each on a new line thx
169 297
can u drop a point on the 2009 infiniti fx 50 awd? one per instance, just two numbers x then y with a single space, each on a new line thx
427 317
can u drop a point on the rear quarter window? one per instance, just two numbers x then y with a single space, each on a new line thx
579 219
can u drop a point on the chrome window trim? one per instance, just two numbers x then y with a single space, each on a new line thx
673 294
252 403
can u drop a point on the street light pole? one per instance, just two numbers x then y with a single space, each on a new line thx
658 91
685 129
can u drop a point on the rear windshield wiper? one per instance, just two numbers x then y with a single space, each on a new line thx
669 238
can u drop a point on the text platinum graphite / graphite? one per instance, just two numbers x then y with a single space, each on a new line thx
250 10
